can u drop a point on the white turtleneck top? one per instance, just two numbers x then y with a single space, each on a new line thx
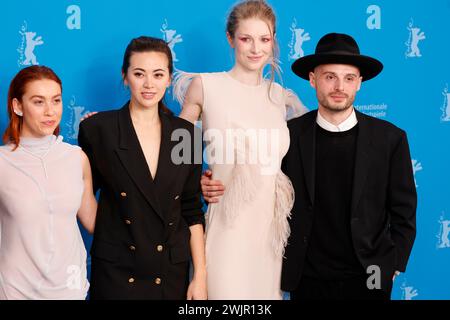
42 254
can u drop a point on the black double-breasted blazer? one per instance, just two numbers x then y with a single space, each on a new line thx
140 248
383 200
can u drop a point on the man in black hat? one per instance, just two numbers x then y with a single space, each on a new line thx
353 221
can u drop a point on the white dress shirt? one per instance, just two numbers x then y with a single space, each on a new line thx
347 124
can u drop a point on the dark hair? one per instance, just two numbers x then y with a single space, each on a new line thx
17 89
148 44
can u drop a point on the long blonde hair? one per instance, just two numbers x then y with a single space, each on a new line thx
243 10
261 10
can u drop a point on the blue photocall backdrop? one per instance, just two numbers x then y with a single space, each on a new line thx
84 42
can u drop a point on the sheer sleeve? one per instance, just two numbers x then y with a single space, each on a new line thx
181 83
294 106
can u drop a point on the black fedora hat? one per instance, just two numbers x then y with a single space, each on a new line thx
337 48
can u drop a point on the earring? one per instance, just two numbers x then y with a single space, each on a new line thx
19 113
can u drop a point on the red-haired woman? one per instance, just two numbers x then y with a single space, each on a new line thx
46 185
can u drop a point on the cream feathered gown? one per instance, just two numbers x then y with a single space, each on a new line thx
247 231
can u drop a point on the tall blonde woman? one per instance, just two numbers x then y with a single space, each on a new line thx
244 124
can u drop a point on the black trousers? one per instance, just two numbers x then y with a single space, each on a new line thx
349 289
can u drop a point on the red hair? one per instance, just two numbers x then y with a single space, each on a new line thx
16 90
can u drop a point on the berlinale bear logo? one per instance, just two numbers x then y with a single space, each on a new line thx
171 37
412 44
26 49
296 44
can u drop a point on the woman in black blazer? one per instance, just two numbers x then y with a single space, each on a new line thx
149 218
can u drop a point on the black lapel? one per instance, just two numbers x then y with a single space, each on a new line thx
307 142
132 157
362 160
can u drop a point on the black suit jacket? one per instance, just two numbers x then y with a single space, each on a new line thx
384 200
140 248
